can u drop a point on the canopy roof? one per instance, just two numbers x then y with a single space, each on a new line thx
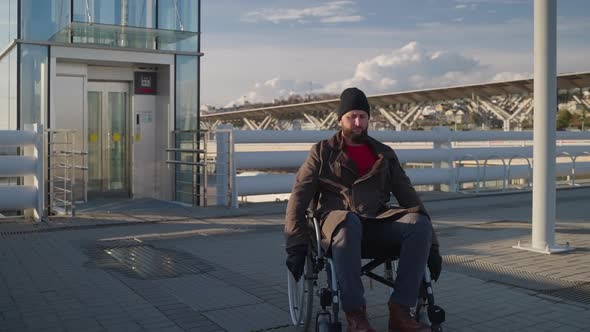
564 81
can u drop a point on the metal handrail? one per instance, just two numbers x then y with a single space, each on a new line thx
485 164
567 154
197 154
507 177
186 163
585 153
459 164
186 150
189 131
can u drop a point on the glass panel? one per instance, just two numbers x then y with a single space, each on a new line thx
187 109
41 19
117 145
94 141
138 13
33 84
119 36
8 19
181 15
8 104
186 119
8 91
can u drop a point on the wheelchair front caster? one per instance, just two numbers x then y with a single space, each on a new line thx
436 328
436 315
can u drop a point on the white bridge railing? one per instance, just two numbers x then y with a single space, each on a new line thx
28 196
451 165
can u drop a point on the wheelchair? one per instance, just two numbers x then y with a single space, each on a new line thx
319 279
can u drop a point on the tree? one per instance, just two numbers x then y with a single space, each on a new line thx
563 119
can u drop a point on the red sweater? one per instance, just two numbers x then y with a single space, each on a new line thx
362 156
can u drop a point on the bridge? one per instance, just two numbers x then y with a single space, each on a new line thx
510 102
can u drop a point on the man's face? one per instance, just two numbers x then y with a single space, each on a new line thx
354 125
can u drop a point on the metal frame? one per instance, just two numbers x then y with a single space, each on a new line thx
572 171
16 43
105 88
62 178
585 153
485 165
507 175
196 153
459 164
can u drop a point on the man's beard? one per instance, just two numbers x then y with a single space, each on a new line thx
356 138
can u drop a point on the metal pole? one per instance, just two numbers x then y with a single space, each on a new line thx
545 99
544 124
198 106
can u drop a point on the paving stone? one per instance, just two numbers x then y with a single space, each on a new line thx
48 273
192 290
123 327
249 317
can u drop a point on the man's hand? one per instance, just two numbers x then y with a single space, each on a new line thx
296 260
434 263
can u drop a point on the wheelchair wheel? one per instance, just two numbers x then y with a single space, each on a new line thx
301 296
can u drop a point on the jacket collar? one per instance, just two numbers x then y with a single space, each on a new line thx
343 161
337 143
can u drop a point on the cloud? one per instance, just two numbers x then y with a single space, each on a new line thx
510 76
330 12
494 1
472 6
272 89
410 67
342 19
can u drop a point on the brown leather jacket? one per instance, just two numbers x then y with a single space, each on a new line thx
329 170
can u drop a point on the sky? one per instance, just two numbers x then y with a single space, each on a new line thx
261 50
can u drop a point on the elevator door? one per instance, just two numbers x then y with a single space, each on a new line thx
108 139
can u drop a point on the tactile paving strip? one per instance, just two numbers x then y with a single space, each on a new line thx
505 275
576 291
579 293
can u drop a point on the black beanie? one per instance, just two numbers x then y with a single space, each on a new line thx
352 99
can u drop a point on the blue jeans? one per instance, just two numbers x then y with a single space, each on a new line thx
410 237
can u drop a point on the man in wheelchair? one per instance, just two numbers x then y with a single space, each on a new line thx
351 177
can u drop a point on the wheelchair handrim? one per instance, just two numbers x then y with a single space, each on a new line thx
296 298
